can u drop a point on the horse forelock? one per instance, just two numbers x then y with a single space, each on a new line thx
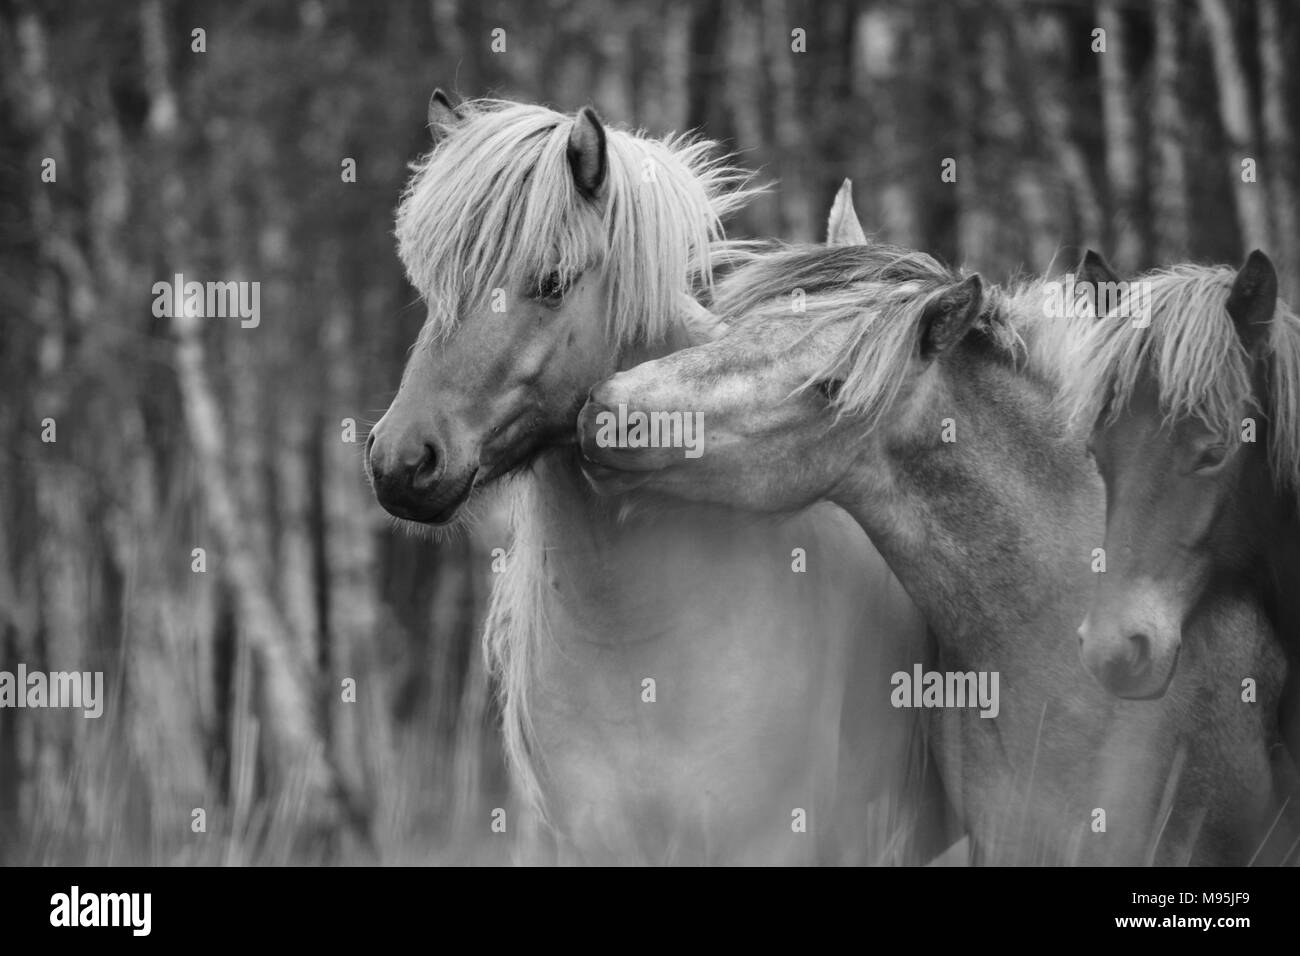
1181 341
496 200
1191 352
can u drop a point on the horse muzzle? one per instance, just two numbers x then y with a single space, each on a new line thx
1131 663
411 478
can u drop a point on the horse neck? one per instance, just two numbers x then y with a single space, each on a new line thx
1261 551
596 558
992 532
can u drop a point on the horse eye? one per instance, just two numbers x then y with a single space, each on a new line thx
550 288
829 388
1210 457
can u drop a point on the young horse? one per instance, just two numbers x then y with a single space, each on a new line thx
1194 405
922 403
673 687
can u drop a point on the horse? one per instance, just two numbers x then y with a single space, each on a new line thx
672 676
1191 388
921 401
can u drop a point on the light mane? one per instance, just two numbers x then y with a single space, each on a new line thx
494 206
1192 353
883 291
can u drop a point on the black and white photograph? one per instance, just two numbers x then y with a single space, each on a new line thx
665 433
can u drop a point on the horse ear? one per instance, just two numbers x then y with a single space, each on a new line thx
442 115
587 156
949 315
843 227
1094 269
1093 274
1253 299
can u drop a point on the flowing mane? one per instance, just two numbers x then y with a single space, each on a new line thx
494 203
1194 355
884 290
496 199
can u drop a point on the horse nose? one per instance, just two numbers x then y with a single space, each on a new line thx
403 466
1127 671
414 463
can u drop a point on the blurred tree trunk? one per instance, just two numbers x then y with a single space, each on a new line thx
450 33
283 702
894 185
675 68
1237 115
743 93
19 621
294 486
706 25
163 624
58 264
68 299
1277 45
1036 230
1123 146
795 147
747 94
976 187
349 539
614 82
1169 201
1041 41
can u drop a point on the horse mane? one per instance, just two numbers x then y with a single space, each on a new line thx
1193 353
496 199
516 619
882 290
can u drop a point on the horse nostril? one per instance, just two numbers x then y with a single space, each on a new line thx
422 474
1140 647
402 466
